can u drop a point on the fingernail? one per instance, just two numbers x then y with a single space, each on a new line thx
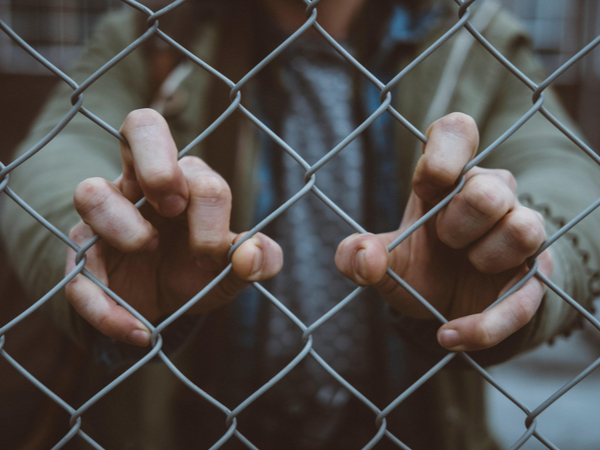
258 260
139 337
172 205
207 263
449 338
360 264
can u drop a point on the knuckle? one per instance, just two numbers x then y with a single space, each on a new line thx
214 243
507 177
526 232
90 194
210 187
450 234
485 197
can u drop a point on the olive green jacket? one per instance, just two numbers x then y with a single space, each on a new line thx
553 176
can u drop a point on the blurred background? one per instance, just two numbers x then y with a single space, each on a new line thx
559 28
58 29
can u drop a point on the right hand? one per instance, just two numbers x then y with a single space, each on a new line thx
158 258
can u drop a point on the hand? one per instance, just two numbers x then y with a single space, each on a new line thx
465 256
158 258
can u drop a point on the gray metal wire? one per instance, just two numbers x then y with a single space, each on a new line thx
380 430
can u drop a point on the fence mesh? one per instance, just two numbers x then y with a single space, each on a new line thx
464 21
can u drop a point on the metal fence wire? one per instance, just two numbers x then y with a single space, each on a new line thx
464 21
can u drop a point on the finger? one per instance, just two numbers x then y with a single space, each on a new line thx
90 301
484 330
102 206
363 258
185 279
514 239
208 213
150 163
80 234
452 143
484 200
257 259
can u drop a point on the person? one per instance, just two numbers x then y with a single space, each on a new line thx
160 256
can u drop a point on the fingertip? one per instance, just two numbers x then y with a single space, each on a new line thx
104 314
363 258
139 337
452 142
142 118
450 339
371 262
259 258
470 333
172 205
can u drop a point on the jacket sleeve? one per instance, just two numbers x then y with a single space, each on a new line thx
83 149
556 178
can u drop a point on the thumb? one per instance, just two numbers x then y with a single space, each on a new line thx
363 258
257 259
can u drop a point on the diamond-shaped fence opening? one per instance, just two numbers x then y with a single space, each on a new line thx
315 330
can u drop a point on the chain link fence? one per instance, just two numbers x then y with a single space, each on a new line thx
466 24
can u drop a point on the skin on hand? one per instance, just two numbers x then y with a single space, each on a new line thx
159 257
464 257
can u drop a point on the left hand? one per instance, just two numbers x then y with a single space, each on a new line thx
464 257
